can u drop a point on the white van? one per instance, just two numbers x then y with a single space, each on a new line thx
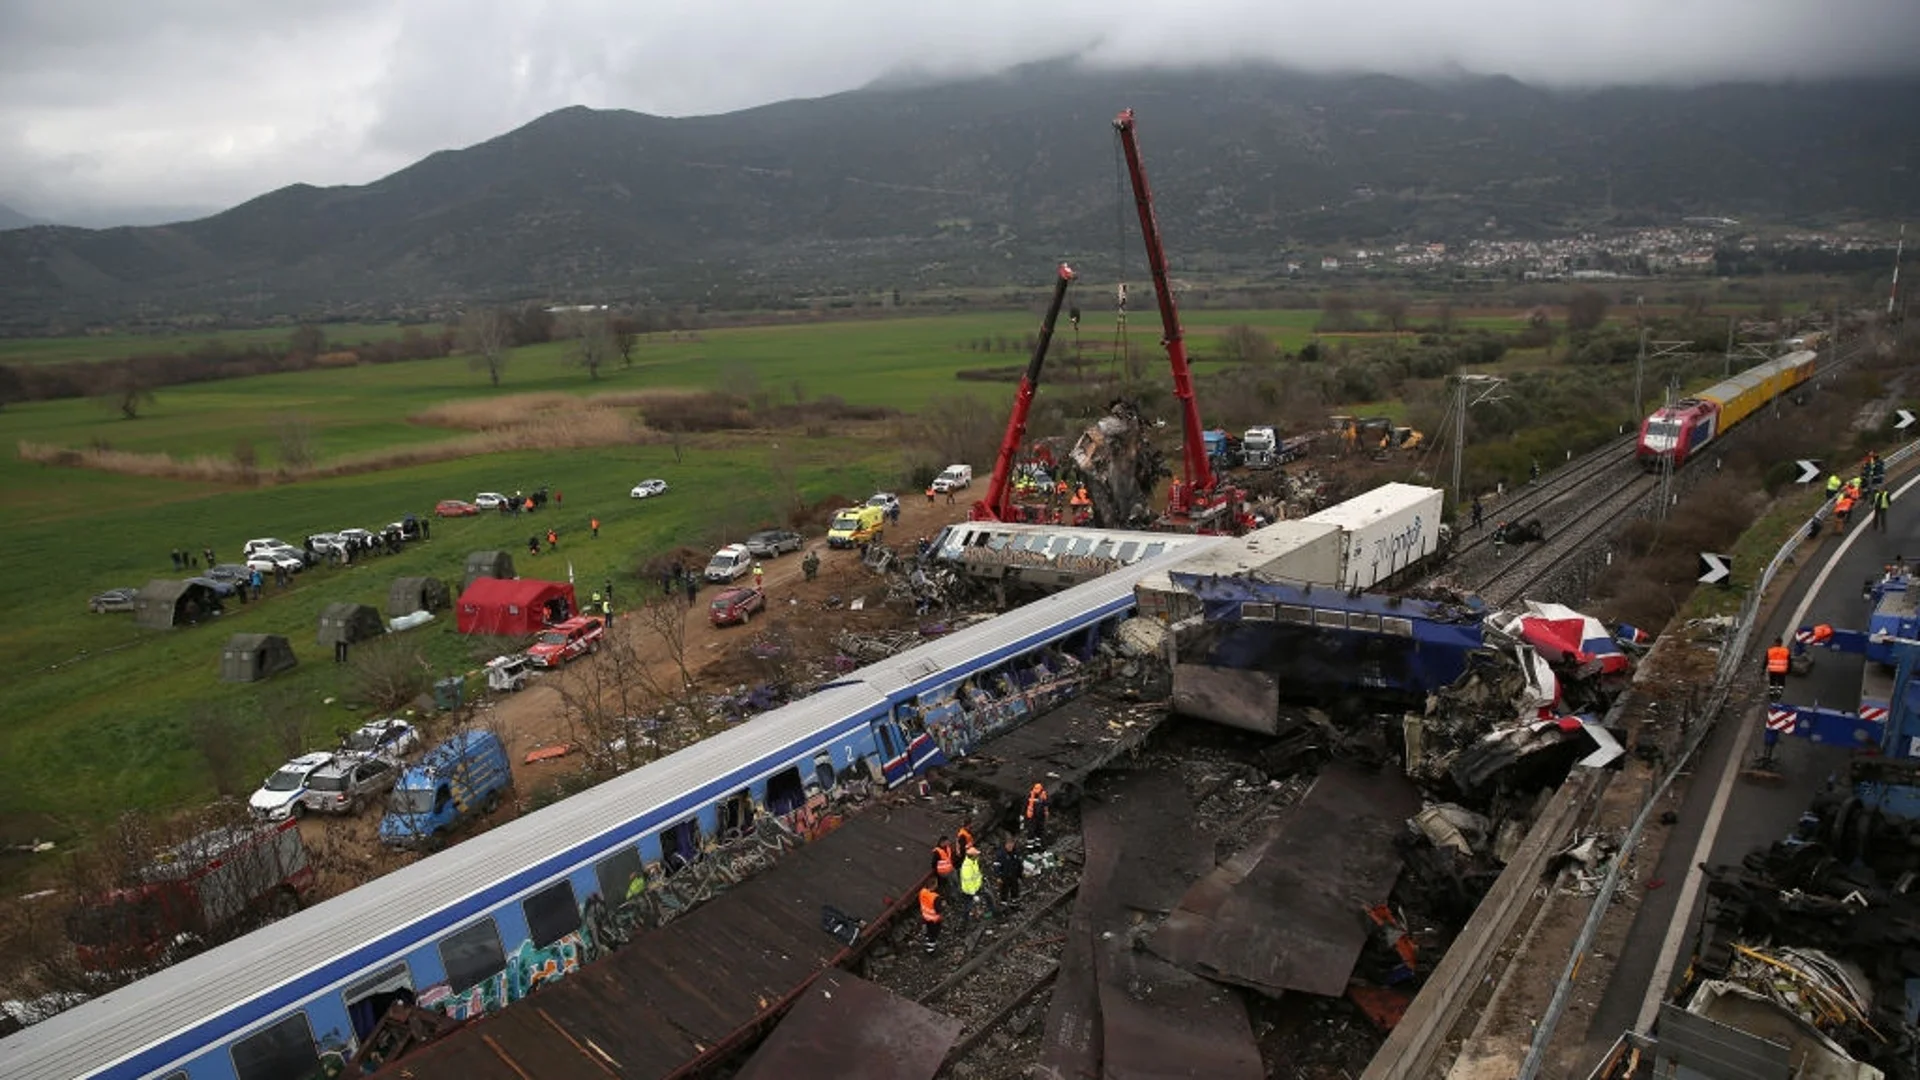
954 478
730 563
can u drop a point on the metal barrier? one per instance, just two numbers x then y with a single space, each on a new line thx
1731 657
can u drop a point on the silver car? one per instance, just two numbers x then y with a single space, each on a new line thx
345 784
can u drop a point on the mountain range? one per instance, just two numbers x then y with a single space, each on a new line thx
988 181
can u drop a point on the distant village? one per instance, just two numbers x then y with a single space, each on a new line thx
1693 248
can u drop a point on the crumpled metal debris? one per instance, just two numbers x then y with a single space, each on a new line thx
1119 466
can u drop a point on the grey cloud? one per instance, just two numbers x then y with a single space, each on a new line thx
211 101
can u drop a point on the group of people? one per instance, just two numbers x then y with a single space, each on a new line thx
1869 486
959 888
553 542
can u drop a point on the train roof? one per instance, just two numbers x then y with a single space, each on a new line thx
1742 381
379 922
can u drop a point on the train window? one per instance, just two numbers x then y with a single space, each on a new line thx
1153 549
1391 625
1128 550
887 744
736 814
285 1048
1256 612
472 955
369 999
786 792
823 771
1294 613
1103 550
552 913
1082 545
680 845
996 541
1333 620
1369 623
615 872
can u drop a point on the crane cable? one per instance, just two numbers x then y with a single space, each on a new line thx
1122 345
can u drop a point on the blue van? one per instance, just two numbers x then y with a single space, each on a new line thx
462 777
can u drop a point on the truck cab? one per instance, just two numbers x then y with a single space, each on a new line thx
460 779
1258 446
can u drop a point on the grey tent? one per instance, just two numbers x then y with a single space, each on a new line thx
410 594
349 623
252 657
163 605
494 564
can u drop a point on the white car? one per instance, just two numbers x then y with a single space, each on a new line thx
267 560
885 500
253 547
489 500
279 797
327 543
389 737
648 488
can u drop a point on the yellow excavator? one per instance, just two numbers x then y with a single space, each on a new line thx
1376 435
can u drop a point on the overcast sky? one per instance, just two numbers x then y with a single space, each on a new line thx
110 106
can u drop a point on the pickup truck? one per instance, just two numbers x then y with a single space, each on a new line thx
562 642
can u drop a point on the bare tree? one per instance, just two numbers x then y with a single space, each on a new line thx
626 333
962 428
1392 309
299 448
1587 309
606 700
285 714
487 335
784 480
126 392
593 341
666 620
388 672
1338 313
220 738
1242 344
1443 316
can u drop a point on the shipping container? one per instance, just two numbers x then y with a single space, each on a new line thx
1301 552
1388 529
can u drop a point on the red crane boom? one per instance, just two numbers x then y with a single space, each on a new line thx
1197 470
997 503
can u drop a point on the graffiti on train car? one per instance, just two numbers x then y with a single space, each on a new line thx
961 717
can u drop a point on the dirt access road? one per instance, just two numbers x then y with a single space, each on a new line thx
797 609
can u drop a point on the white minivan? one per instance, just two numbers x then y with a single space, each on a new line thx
730 563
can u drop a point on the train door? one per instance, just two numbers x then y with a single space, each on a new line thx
894 766
680 844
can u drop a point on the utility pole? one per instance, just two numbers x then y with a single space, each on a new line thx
1727 374
1893 291
1640 362
1486 384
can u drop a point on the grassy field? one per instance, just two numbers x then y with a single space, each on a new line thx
105 712
116 345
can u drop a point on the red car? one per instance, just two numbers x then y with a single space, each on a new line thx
736 606
560 643
455 508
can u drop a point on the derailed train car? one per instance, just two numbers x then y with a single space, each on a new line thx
1678 431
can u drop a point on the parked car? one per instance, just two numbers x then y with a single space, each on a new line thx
222 589
234 572
953 478
267 560
558 644
387 737
770 543
648 488
489 500
279 796
112 600
885 500
730 563
456 508
326 543
252 547
345 784
358 537
736 606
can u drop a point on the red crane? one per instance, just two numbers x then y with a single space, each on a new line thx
997 503
1194 496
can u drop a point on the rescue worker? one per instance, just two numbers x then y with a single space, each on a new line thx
930 916
943 866
1882 499
594 524
1036 816
636 887
759 576
1478 512
1778 660
606 610
1842 510
1008 869
810 566
973 888
1833 484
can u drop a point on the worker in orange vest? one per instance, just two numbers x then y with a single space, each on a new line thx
1842 510
930 916
943 866
1036 816
1778 660
963 838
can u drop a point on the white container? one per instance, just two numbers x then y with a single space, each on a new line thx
1300 552
1388 529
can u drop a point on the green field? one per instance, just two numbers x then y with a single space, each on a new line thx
104 712
118 344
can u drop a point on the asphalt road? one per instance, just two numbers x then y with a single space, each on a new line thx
1755 813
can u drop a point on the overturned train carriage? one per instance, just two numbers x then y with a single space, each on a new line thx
477 926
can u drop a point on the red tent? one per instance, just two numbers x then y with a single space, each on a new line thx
519 606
